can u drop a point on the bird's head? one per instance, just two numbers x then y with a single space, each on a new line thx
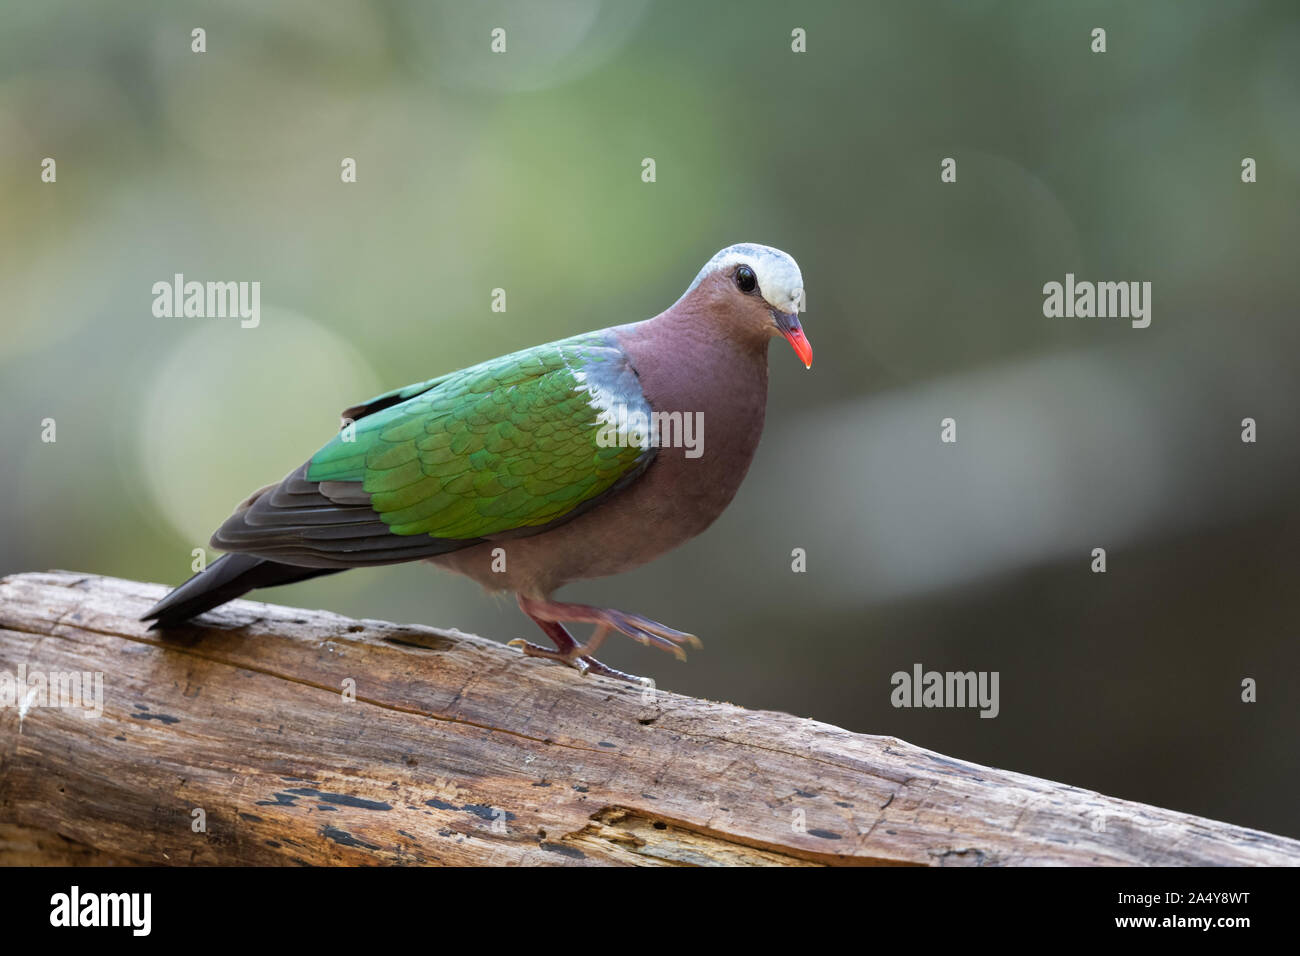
758 291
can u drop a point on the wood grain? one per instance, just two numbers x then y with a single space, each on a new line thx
457 750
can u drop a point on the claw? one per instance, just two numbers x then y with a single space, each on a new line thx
662 630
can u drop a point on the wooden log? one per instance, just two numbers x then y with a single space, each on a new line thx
457 750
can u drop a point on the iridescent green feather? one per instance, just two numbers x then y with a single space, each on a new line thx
510 443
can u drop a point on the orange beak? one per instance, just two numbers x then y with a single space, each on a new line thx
789 325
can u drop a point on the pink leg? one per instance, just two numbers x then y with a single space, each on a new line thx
549 614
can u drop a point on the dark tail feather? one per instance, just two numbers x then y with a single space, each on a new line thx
228 577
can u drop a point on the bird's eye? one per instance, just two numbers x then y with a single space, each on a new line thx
746 281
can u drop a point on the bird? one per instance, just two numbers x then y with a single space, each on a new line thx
535 469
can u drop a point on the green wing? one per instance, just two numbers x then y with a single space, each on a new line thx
509 444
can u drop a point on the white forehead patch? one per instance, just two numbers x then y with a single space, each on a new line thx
779 278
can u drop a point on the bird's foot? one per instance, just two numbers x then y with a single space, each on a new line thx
604 670
575 655
640 629
584 664
536 650
568 651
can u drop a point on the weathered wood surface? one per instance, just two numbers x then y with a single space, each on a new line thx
458 750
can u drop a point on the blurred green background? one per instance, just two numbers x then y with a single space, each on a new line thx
522 171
